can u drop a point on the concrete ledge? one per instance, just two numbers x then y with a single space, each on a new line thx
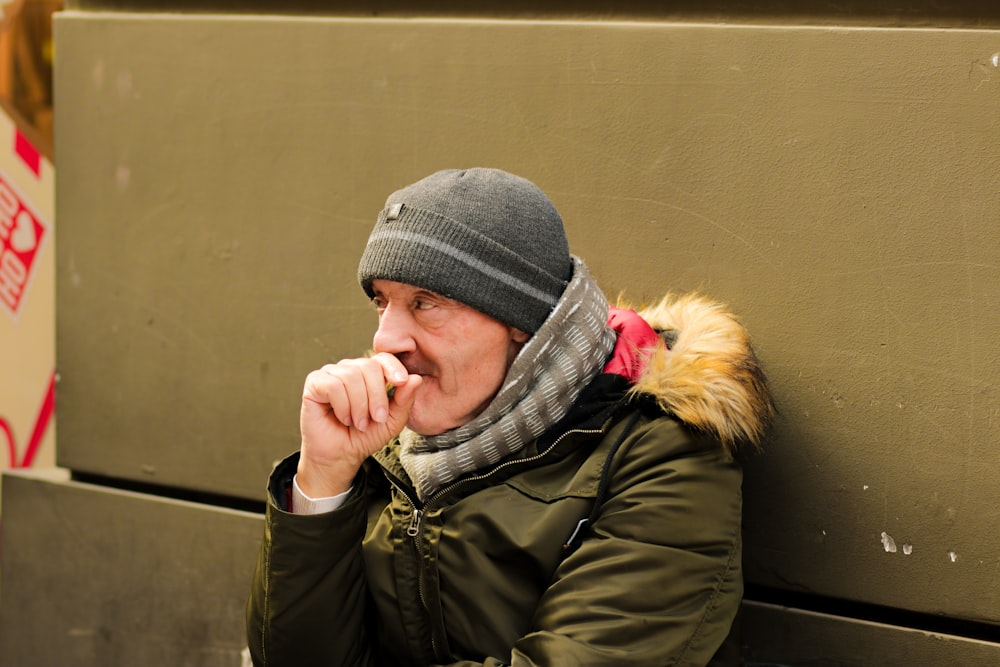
775 635
96 576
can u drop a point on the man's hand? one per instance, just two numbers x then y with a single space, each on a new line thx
347 415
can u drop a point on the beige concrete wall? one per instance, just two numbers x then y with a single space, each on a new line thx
838 187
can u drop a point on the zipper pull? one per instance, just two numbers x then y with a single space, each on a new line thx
414 529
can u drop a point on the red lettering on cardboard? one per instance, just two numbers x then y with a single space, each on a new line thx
13 275
21 235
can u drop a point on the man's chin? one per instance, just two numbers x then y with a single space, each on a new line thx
426 428
425 431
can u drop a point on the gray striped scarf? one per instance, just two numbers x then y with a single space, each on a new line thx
547 376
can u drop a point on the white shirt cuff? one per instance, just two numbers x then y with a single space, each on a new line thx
303 504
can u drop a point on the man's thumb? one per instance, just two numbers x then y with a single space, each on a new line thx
404 396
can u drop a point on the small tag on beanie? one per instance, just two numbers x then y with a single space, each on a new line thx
394 212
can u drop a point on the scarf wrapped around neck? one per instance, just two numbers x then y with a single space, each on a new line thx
544 381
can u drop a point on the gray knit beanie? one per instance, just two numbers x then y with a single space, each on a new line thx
483 237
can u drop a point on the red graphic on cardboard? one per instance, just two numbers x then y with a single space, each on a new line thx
21 235
41 423
28 153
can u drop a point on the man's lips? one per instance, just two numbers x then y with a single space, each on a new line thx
418 369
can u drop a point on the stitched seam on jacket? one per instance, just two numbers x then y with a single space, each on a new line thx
267 602
713 600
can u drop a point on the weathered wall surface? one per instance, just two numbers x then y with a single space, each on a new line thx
100 576
837 187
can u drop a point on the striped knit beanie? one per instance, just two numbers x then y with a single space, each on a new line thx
483 237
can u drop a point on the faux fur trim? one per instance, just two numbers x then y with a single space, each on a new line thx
707 373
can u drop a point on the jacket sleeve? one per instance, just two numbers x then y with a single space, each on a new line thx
658 580
307 601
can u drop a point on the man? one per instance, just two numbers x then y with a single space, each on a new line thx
518 474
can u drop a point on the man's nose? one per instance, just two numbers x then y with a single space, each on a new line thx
395 331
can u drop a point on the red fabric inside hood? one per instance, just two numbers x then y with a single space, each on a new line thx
635 339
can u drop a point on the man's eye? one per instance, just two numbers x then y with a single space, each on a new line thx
423 304
378 304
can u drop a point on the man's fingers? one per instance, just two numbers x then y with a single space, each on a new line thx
376 401
357 390
326 389
394 370
351 377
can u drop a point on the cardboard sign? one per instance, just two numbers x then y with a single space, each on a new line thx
27 307
27 235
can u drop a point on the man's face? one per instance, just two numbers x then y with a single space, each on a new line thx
462 354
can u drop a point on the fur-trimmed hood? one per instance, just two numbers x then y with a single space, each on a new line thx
706 372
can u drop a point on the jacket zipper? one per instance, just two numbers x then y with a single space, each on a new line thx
413 530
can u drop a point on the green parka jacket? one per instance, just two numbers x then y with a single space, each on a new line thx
614 539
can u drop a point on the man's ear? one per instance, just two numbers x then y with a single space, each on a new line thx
519 336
